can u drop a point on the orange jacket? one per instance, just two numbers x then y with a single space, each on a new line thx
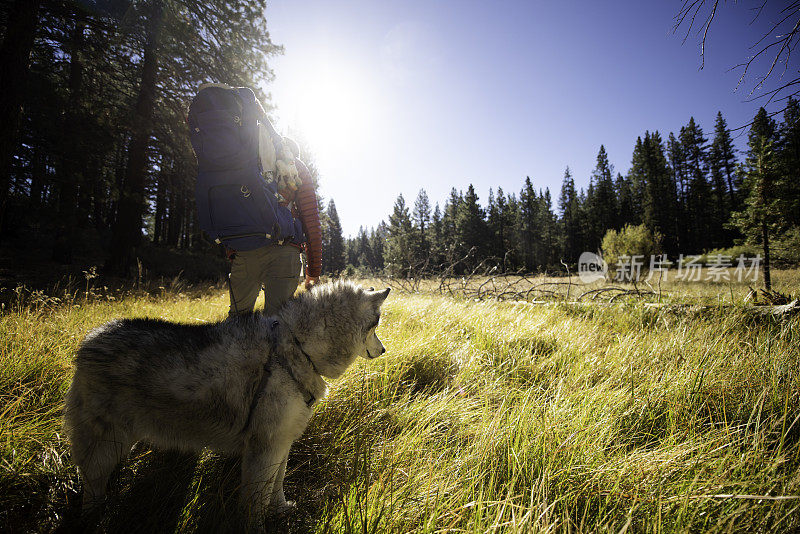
304 206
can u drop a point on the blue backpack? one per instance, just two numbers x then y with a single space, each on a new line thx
237 200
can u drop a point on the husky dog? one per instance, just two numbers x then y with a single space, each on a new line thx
245 386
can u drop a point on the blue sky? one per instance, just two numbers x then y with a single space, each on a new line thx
393 97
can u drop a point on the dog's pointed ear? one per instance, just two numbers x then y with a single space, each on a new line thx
380 296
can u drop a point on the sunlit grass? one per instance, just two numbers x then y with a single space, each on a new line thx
482 416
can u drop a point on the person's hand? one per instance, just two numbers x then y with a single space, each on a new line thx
311 281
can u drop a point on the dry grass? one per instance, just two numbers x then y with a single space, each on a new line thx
482 416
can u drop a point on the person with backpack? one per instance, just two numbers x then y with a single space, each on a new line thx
247 181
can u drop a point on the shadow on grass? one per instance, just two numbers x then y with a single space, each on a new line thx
321 483
165 492
150 492
169 491
429 373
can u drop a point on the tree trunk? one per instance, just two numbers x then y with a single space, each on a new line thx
127 231
38 176
197 238
85 193
180 213
15 54
765 238
120 162
731 193
161 209
69 174
172 217
99 196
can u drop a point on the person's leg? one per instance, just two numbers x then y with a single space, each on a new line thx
245 280
280 277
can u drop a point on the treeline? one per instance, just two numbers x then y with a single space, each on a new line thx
694 192
93 141
94 152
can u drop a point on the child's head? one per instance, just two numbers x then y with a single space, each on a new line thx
292 146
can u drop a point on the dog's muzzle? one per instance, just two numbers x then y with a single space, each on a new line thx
373 347
371 357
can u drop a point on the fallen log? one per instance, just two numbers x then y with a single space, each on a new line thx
779 310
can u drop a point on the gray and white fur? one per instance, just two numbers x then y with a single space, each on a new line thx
245 386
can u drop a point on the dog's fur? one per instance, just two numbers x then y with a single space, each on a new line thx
242 387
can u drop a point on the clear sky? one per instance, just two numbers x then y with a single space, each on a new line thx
398 96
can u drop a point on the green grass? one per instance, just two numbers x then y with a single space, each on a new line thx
482 416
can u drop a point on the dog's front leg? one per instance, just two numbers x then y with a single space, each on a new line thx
278 502
257 479
261 469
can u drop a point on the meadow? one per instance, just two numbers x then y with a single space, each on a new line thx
483 416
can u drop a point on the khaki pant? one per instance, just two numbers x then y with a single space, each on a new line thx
275 267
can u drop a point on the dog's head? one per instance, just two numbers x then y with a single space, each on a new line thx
336 323
373 346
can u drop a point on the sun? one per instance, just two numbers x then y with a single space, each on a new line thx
331 109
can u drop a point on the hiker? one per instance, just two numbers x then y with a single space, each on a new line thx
254 196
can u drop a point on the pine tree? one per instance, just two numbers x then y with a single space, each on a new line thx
377 240
398 254
492 219
763 127
15 54
758 218
498 225
790 164
471 225
365 257
722 171
127 227
351 252
514 232
660 197
421 218
677 165
623 189
637 180
336 248
586 225
570 219
528 225
450 244
722 159
601 200
436 238
131 168
503 228
699 198
760 214
548 230
69 165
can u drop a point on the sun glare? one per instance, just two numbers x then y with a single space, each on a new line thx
330 109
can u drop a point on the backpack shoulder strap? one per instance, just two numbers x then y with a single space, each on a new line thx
249 99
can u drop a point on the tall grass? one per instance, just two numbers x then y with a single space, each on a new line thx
482 416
